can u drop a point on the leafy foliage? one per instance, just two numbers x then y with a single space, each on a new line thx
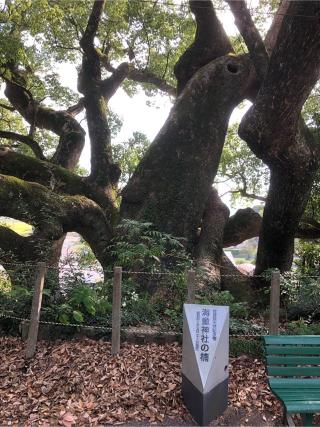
138 245
308 257
300 296
129 153
241 169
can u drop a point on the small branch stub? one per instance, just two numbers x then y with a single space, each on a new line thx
191 280
116 311
274 303
35 311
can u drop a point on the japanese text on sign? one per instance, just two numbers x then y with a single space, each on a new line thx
206 332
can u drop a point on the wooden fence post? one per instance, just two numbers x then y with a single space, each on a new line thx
116 311
191 282
35 310
274 303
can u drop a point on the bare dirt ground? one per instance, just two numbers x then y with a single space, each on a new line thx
78 383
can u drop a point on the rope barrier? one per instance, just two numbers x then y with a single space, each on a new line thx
132 329
76 269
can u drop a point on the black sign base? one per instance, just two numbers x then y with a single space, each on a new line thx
205 407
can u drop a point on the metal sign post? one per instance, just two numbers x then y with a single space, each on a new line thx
205 360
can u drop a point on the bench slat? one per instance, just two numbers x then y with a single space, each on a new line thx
306 371
300 392
306 408
293 360
292 339
295 382
295 353
291 398
286 349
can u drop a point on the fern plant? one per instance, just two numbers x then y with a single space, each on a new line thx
138 245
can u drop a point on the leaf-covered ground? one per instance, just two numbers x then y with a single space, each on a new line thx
78 383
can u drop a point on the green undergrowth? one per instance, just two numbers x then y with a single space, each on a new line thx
154 289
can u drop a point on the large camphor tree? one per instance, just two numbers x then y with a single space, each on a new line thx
163 48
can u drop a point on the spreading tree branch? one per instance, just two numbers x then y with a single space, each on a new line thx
141 76
246 224
71 141
241 226
76 109
7 107
54 177
54 215
35 147
247 195
110 85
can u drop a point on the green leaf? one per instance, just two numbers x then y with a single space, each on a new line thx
64 318
90 309
78 316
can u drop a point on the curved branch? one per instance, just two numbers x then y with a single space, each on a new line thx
54 215
76 109
35 147
241 226
145 76
272 34
71 134
210 43
141 76
270 126
251 36
244 193
246 224
110 85
53 177
7 107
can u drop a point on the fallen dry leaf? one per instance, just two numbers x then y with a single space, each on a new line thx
77 382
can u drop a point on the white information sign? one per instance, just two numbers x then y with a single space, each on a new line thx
205 345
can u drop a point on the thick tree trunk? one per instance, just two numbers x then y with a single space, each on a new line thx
275 132
171 184
238 284
287 198
209 248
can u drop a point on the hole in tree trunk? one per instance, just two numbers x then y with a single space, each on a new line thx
232 68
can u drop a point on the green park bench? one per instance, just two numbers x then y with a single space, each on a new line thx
293 367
